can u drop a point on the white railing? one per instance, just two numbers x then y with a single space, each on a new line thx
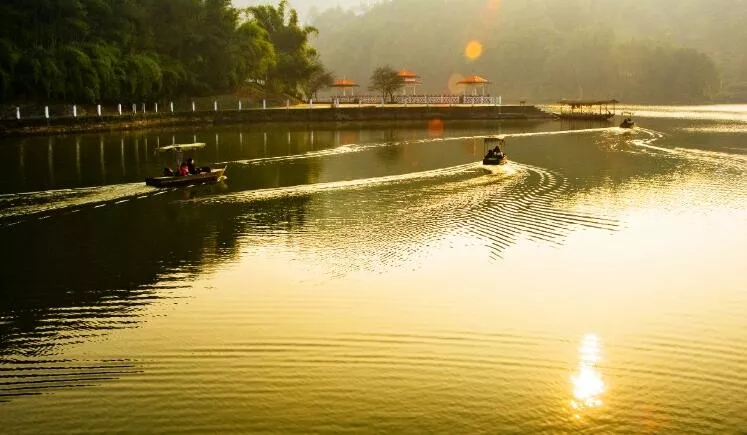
220 105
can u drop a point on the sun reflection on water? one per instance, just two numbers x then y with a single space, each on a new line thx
588 385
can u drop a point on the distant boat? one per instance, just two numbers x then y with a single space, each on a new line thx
213 176
494 155
181 146
628 121
590 110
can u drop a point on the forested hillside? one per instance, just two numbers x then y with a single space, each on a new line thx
639 50
142 50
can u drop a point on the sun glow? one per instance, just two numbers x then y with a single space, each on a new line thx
473 50
587 382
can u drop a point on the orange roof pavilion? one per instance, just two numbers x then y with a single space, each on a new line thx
345 84
409 78
475 81
407 74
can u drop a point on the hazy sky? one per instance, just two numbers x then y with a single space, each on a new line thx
304 6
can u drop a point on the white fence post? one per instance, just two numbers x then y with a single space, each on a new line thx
98 110
215 106
75 111
171 106
311 103
287 104
156 107
46 112
239 105
18 112
193 106
264 104
119 108
143 107
134 108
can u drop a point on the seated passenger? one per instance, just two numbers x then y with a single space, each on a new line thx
167 172
191 166
196 169
183 170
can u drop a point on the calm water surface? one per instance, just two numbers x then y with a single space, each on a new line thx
380 280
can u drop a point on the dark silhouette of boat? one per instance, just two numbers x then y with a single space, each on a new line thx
628 121
213 176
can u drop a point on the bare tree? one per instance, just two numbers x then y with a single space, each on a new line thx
386 80
319 79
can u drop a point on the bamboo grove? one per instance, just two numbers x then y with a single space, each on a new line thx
143 50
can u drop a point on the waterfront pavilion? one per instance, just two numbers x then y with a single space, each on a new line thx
474 82
345 84
409 78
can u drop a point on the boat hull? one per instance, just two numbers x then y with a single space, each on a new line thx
180 181
492 161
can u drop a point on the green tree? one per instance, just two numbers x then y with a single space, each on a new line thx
295 56
9 56
139 50
386 80
320 78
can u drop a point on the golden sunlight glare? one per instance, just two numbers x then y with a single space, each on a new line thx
588 385
473 50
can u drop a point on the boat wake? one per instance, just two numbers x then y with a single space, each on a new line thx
533 205
355 148
307 189
18 207
342 149
562 132
735 161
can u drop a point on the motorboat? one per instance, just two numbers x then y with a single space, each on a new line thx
494 154
627 121
214 176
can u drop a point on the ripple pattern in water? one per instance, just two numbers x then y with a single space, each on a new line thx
550 295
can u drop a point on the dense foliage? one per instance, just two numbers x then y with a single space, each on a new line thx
142 50
296 59
637 51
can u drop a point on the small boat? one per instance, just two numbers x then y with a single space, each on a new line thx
181 146
494 154
213 176
628 121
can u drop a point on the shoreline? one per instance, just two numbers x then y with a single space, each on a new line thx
352 114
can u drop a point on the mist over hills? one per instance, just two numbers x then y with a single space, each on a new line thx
639 50
309 9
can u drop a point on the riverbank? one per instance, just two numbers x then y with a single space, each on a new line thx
352 114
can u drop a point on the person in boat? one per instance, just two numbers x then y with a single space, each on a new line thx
194 169
168 172
191 166
183 169
497 152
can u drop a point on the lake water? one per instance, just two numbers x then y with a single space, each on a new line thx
380 280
